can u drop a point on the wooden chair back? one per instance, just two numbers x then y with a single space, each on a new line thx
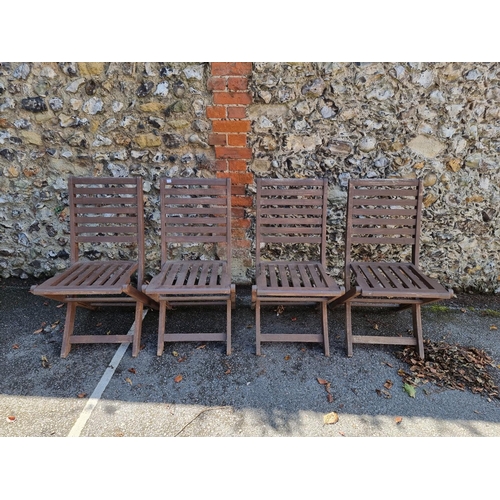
195 211
291 211
107 210
383 212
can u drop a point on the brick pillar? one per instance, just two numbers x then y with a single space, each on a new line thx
230 125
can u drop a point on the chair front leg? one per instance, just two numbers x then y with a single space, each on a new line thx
324 318
68 328
257 326
136 344
161 327
228 326
417 328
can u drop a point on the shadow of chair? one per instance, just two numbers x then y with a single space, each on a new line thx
382 217
194 213
108 212
292 212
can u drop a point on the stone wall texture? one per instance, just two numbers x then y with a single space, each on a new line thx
436 121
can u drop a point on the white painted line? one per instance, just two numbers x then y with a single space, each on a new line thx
101 386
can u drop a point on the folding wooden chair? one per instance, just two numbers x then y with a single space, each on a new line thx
102 211
292 211
194 211
386 212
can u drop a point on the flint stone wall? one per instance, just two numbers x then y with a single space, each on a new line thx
435 121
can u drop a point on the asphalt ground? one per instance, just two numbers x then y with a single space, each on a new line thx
195 390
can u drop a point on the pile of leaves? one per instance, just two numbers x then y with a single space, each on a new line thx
450 366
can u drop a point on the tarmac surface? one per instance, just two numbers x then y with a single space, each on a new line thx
195 390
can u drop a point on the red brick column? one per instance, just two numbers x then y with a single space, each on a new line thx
230 125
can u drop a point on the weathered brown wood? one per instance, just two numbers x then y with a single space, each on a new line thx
194 210
105 282
386 212
292 211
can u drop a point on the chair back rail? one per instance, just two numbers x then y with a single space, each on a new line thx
195 210
386 212
291 211
107 210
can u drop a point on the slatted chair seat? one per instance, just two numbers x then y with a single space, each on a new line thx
194 211
292 212
102 210
386 213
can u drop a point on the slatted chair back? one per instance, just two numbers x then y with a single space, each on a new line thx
384 212
107 210
195 211
291 211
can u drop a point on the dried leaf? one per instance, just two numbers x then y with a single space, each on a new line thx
398 420
60 305
108 332
388 384
178 378
82 395
409 389
175 353
322 381
132 370
287 357
11 418
45 362
329 398
227 372
180 360
294 319
128 380
15 346
331 418
493 327
201 346
40 330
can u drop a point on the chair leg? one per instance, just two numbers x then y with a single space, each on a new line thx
348 328
228 327
161 327
324 317
136 344
68 328
257 326
417 329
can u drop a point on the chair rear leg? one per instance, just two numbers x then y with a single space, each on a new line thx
417 329
324 317
161 327
228 327
257 326
68 328
136 344
348 328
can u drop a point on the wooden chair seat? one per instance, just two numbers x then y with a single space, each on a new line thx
303 279
396 279
188 277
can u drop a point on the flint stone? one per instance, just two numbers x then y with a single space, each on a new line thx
173 140
101 141
367 144
34 104
298 143
193 72
22 71
117 106
75 85
8 103
117 170
93 106
162 89
426 146
314 88
55 104
144 89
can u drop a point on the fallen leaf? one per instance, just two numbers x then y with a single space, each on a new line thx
175 353
178 378
53 325
329 398
294 319
60 305
227 372
287 357
388 364
40 330
201 346
132 370
409 389
375 326
493 327
128 380
45 362
388 384
11 418
398 420
322 381
99 324
108 332
15 346
331 418
82 395
180 360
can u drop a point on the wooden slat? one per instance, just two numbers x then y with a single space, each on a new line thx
131 210
384 192
397 231
96 219
380 240
195 229
291 203
105 190
291 239
114 200
392 213
106 239
287 191
290 230
127 229
373 202
189 191
194 210
286 211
